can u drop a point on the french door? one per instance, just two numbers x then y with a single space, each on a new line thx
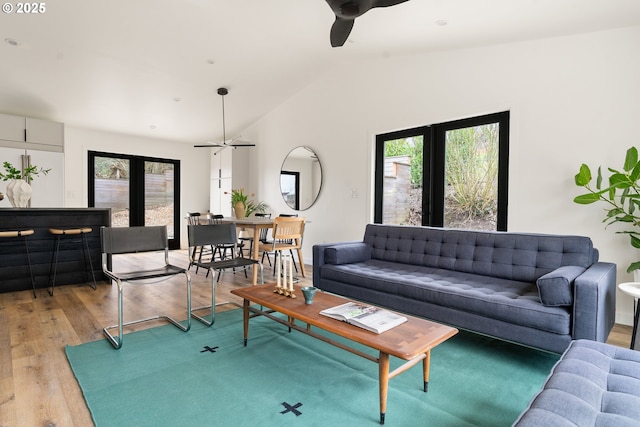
139 190
452 174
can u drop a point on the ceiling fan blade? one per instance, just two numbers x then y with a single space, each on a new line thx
208 145
386 3
340 31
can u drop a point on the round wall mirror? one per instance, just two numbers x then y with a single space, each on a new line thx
300 178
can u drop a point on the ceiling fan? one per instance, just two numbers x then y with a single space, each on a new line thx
235 142
347 11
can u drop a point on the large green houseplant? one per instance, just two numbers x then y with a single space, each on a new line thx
621 195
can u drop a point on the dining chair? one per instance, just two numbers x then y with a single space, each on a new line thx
293 259
195 218
129 240
218 234
226 250
263 236
287 235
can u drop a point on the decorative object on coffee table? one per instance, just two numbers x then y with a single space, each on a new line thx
309 292
284 273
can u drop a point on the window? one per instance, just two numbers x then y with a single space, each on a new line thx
452 174
139 190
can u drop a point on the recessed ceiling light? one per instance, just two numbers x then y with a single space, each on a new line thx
12 42
441 22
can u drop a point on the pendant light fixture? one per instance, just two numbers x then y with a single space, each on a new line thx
223 91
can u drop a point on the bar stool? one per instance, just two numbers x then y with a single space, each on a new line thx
23 234
58 233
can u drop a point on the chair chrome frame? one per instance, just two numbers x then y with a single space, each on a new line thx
124 240
217 234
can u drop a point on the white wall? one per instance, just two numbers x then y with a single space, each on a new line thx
572 100
194 166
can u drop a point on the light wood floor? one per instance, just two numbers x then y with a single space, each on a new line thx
37 386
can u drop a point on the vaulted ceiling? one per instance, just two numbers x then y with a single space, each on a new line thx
152 67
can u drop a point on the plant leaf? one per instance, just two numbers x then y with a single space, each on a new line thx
633 266
586 199
619 180
631 159
599 178
583 177
635 173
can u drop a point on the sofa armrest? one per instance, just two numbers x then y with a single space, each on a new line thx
594 308
335 253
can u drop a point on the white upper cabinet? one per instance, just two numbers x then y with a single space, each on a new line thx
28 133
44 132
12 127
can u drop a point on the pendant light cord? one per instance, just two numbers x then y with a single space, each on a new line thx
224 131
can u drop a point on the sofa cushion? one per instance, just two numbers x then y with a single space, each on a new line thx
555 288
593 384
506 300
347 253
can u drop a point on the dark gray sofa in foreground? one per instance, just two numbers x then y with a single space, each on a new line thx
593 384
538 290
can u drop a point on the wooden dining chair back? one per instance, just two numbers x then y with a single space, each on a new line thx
129 240
216 235
287 234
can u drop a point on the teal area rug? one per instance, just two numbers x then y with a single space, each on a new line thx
165 377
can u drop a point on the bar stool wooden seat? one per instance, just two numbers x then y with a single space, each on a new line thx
73 232
23 234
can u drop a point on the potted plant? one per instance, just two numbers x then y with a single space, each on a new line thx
242 206
19 188
621 195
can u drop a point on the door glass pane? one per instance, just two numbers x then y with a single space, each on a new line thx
112 188
471 177
159 195
402 186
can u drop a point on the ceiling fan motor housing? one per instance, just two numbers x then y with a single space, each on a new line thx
349 9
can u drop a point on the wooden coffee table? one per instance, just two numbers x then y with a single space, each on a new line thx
412 341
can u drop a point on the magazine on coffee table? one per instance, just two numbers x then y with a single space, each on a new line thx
371 318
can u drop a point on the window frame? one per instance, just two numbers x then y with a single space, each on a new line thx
433 174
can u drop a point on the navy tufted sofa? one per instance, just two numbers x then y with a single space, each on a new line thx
538 290
593 384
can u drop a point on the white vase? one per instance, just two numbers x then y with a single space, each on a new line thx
19 193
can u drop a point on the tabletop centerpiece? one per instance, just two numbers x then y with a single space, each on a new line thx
242 205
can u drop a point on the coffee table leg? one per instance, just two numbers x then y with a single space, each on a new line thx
425 369
383 370
245 310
